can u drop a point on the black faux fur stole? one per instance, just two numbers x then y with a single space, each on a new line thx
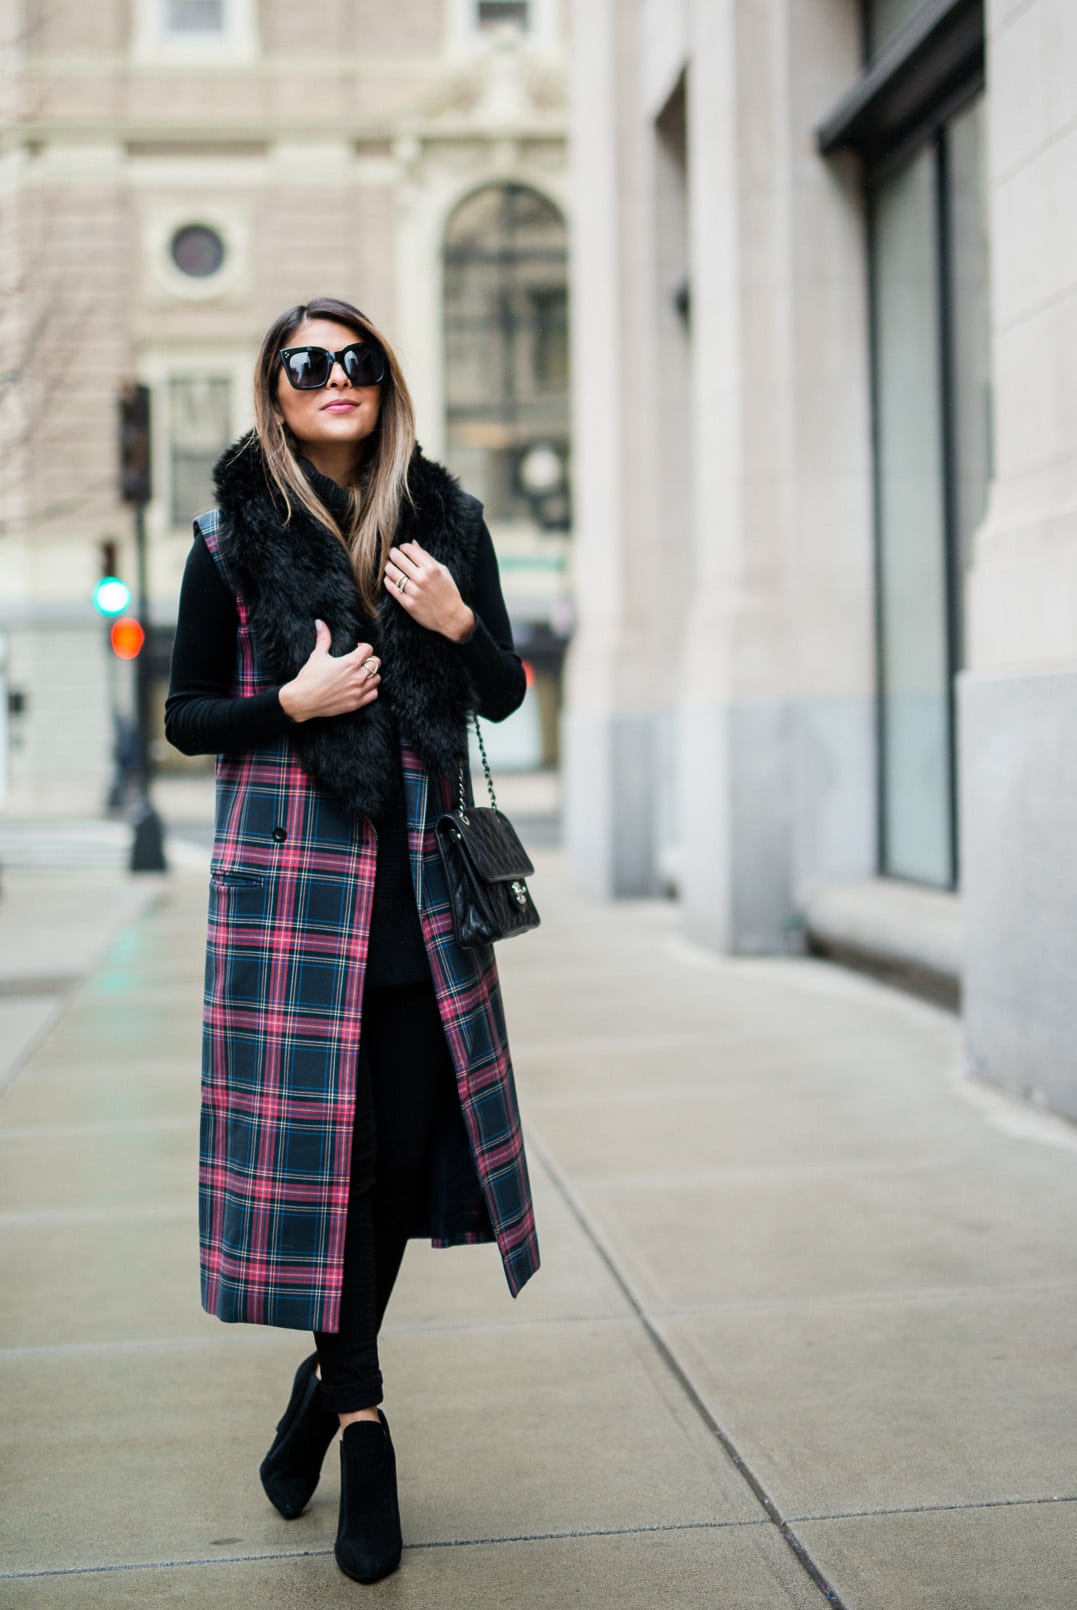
289 574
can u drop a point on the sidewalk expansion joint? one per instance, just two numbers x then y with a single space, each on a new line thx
784 1528
937 1509
20 1353
414 1548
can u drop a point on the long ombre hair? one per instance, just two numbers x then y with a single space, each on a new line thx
368 528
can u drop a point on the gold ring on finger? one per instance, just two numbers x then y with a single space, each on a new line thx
402 582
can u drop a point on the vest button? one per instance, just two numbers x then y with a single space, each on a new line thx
279 835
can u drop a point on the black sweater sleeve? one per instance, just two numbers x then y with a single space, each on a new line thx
201 718
488 655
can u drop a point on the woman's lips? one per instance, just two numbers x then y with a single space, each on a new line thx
339 408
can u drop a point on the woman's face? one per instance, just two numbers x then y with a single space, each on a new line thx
338 416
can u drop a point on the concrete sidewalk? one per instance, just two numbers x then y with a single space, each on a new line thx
806 1314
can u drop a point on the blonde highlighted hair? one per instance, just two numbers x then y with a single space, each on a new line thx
368 527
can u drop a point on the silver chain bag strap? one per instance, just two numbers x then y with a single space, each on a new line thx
486 867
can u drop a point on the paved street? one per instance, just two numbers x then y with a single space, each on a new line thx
806 1315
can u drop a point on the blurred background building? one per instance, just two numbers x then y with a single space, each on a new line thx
173 174
825 347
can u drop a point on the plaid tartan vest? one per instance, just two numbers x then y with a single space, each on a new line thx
291 887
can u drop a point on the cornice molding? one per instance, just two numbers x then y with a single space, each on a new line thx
259 136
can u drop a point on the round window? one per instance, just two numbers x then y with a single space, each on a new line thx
197 250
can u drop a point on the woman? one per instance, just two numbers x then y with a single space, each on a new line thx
340 617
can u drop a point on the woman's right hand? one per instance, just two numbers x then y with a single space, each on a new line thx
331 684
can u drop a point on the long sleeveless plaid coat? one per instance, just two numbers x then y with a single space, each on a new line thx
292 881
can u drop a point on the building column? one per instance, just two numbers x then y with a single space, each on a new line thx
718 733
614 685
1018 699
775 707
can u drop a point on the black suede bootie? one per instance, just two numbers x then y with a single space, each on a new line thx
368 1537
291 1468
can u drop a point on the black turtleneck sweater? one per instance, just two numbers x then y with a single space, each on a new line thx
201 717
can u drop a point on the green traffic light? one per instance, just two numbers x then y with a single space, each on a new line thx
111 595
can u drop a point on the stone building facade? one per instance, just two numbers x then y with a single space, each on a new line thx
173 173
824 681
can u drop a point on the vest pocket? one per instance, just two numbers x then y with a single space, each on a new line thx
237 894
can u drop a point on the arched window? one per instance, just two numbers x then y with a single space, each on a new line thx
506 354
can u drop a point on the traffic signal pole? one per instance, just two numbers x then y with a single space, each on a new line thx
147 845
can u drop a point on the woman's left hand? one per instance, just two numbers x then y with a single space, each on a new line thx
424 587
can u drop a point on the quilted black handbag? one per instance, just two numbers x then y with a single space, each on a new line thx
486 867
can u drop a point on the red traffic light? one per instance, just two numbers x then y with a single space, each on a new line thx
127 637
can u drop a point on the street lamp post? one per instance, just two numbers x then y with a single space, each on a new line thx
542 478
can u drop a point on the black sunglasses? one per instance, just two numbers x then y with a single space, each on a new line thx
309 368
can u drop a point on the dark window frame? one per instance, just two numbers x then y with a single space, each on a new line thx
944 291
897 100
904 100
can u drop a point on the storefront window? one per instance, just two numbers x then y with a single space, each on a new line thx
933 452
914 672
971 321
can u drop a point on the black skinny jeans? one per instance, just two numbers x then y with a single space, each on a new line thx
405 1093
